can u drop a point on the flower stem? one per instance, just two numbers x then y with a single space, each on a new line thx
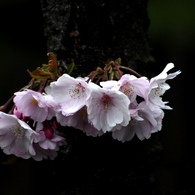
105 72
4 107
131 70
42 86
117 68
92 76
32 83
12 110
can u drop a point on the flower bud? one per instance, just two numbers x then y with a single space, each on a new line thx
48 133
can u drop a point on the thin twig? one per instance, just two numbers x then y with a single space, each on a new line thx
42 86
131 70
119 72
92 76
105 72
4 107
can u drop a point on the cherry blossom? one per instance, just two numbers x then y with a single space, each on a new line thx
127 107
69 94
43 154
49 142
157 87
129 85
108 108
143 123
127 133
79 120
34 105
17 137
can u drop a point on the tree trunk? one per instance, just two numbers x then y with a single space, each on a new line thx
94 32
91 33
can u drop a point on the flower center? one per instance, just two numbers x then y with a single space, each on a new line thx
127 90
106 101
34 101
78 90
156 92
18 131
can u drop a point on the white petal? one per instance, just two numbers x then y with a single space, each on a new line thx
114 116
168 67
117 116
109 84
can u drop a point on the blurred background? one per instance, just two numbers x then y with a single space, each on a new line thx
171 34
22 44
172 39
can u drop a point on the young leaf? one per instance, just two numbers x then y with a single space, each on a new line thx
40 73
70 68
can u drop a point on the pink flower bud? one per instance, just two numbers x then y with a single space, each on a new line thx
48 132
55 124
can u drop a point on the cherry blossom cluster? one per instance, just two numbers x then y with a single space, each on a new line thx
29 129
111 106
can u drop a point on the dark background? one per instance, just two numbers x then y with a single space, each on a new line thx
172 38
171 33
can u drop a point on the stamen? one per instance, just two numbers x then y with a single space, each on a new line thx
18 131
127 90
156 92
79 89
106 105
34 101
74 92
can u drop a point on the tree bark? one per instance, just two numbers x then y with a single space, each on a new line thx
91 33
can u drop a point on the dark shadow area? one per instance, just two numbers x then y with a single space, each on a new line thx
172 39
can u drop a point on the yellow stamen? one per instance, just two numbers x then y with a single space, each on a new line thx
74 92
106 105
34 101
127 90
18 131
77 91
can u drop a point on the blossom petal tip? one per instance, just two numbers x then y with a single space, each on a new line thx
169 66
